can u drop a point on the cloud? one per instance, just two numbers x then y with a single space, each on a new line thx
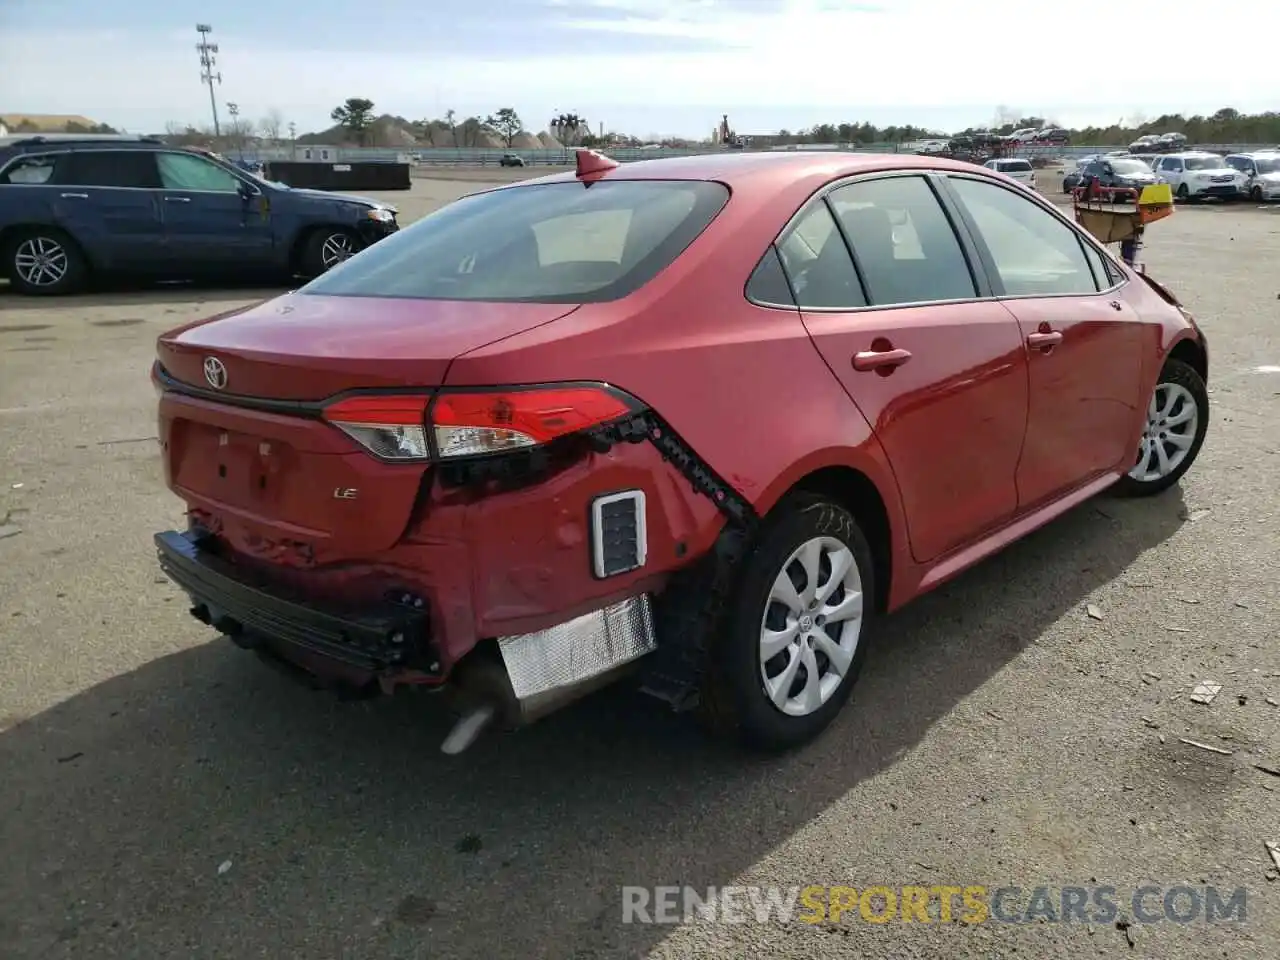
634 62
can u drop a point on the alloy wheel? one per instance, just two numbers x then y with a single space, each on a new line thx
336 248
1170 431
40 261
811 626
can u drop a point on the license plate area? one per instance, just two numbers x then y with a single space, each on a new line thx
234 468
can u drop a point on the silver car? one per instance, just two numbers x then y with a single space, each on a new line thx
1261 171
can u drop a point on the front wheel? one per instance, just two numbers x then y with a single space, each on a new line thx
1182 192
1256 194
1176 422
796 633
326 248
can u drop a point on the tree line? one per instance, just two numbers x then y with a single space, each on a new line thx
357 122
26 126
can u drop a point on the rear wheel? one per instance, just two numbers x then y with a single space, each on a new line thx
796 634
44 262
1177 419
326 248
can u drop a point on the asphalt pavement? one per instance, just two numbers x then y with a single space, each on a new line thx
163 794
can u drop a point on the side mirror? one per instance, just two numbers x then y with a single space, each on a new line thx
248 191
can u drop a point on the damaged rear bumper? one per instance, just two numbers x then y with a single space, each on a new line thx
373 639
531 675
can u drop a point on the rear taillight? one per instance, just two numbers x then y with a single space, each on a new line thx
390 427
468 423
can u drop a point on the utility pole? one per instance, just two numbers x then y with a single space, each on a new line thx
208 60
293 140
234 110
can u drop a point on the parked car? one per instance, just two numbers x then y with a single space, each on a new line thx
511 160
72 207
1072 178
1020 170
1054 136
1111 171
1145 144
705 418
1172 141
1195 175
1261 173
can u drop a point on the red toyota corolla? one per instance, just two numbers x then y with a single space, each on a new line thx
702 420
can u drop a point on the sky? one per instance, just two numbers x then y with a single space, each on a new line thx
643 67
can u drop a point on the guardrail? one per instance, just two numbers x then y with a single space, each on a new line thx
480 157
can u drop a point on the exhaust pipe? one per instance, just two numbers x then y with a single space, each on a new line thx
485 698
468 729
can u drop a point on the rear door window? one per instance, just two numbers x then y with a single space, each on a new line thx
905 247
817 261
111 168
544 243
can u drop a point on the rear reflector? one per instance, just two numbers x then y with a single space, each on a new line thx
474 423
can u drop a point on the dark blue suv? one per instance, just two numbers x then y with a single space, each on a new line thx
74 206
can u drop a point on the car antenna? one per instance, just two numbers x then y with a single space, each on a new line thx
592 165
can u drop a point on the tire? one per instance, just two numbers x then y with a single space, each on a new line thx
320 249
736 701
1177 386
1256 195
31 257
1182 193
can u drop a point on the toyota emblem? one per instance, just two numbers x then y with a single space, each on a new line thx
215 372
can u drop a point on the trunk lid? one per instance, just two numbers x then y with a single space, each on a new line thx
286 487
307 347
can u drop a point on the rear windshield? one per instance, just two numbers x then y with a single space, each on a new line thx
1015 166
541 243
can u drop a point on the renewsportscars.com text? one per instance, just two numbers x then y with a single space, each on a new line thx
941 903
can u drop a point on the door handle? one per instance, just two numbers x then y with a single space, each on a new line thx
886 360
1044 340
1116 305
177 199
75 196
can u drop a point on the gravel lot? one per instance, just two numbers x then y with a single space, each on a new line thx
164 795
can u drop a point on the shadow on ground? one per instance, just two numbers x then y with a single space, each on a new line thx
348 833
120 294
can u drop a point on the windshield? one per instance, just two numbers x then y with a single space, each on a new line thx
544 243
1268 164
1204 163
1129 166
1011 166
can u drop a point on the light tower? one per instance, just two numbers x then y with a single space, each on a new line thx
208 61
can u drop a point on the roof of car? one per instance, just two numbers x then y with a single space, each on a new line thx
735 168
